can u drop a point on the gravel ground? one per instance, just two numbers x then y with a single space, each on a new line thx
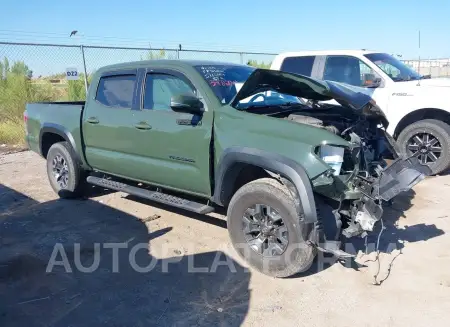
414 264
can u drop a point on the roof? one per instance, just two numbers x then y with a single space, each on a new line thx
326 52
279 59
165 62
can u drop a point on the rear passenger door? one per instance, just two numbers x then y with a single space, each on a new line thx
105 123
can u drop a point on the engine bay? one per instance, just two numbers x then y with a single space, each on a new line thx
362 131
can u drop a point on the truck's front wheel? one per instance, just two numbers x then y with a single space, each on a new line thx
265 229
64 174
429 140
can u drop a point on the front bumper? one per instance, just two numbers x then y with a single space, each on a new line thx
398 177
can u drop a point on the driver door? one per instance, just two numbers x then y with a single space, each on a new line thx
170 148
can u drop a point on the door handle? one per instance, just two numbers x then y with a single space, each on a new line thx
142 125
92 120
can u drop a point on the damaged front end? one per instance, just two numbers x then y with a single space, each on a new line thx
365 182
358 179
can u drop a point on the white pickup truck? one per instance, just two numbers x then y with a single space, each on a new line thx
417 107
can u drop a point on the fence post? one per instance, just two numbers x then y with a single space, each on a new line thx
242 57
85 71
178 54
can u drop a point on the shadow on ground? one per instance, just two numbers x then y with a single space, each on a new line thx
392 238
170 294
189 214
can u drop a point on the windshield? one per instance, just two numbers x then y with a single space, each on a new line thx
393 67
227 80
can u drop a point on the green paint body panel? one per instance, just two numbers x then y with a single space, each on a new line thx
169 154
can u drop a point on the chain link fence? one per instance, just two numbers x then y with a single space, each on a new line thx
48 62
31 72
432 67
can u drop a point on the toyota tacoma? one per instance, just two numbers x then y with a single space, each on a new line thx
263 144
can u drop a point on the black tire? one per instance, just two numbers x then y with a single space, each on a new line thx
298 255
438 130
75 176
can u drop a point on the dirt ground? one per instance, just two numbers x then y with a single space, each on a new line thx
415 264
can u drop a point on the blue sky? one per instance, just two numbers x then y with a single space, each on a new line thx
274 26
270 26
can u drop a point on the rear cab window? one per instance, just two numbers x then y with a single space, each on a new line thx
116 90
298 65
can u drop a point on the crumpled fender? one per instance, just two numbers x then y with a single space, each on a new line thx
278 164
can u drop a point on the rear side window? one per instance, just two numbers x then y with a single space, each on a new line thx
116 91
298 65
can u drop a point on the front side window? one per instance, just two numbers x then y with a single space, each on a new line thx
116 91
394 68
349 70
160 88
298 65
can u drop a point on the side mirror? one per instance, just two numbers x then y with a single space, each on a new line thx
186 103
376 82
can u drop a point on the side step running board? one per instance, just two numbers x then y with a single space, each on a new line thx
151 195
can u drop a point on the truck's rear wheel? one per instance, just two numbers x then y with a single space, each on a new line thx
429 140
265 229
64 174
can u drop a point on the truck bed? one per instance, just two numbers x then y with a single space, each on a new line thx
45 117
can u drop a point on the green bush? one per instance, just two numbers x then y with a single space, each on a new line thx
12 133
16 90
77 88
257 64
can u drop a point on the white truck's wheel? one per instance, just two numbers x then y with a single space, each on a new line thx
429 140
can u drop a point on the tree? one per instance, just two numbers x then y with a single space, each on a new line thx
157 54
20 68
5 66
256 64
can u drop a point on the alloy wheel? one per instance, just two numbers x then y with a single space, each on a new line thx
426 147
264 230
60 171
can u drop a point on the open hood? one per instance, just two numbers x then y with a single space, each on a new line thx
308 88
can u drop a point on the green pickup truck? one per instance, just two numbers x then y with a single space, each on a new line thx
267 145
